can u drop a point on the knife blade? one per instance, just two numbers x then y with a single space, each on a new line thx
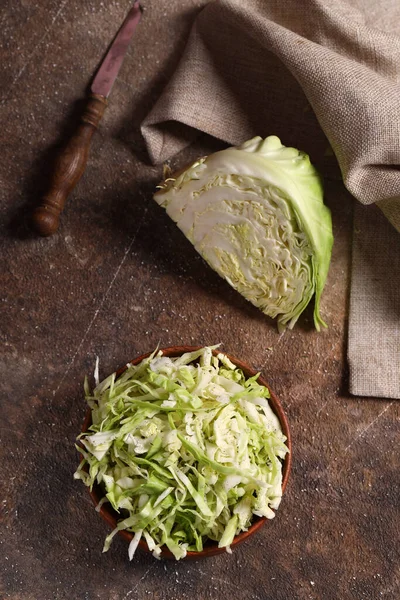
108 71
71 162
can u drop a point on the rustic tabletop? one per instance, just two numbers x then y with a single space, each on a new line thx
117 279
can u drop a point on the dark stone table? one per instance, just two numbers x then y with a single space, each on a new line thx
118 279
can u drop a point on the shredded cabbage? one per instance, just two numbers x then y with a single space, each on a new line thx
255 213
186 449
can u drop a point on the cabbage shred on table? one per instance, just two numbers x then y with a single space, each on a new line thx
255 213
186 449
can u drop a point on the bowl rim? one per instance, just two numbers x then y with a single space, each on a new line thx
211 547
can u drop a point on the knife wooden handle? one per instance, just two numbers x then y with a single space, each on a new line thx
69 168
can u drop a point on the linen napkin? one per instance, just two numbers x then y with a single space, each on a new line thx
309 69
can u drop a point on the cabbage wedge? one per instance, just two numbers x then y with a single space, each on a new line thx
255 213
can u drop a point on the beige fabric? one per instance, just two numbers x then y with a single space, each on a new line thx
258 67
374 331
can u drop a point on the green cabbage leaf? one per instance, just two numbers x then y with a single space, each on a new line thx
255 213
185 450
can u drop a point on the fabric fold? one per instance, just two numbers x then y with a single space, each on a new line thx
318 75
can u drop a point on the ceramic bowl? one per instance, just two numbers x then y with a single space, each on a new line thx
210 547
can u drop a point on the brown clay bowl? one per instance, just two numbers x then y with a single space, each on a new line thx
210 547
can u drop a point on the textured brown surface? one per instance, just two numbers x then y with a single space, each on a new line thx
116 280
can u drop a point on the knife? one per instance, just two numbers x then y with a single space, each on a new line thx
71 162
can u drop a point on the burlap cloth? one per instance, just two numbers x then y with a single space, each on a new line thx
255 67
